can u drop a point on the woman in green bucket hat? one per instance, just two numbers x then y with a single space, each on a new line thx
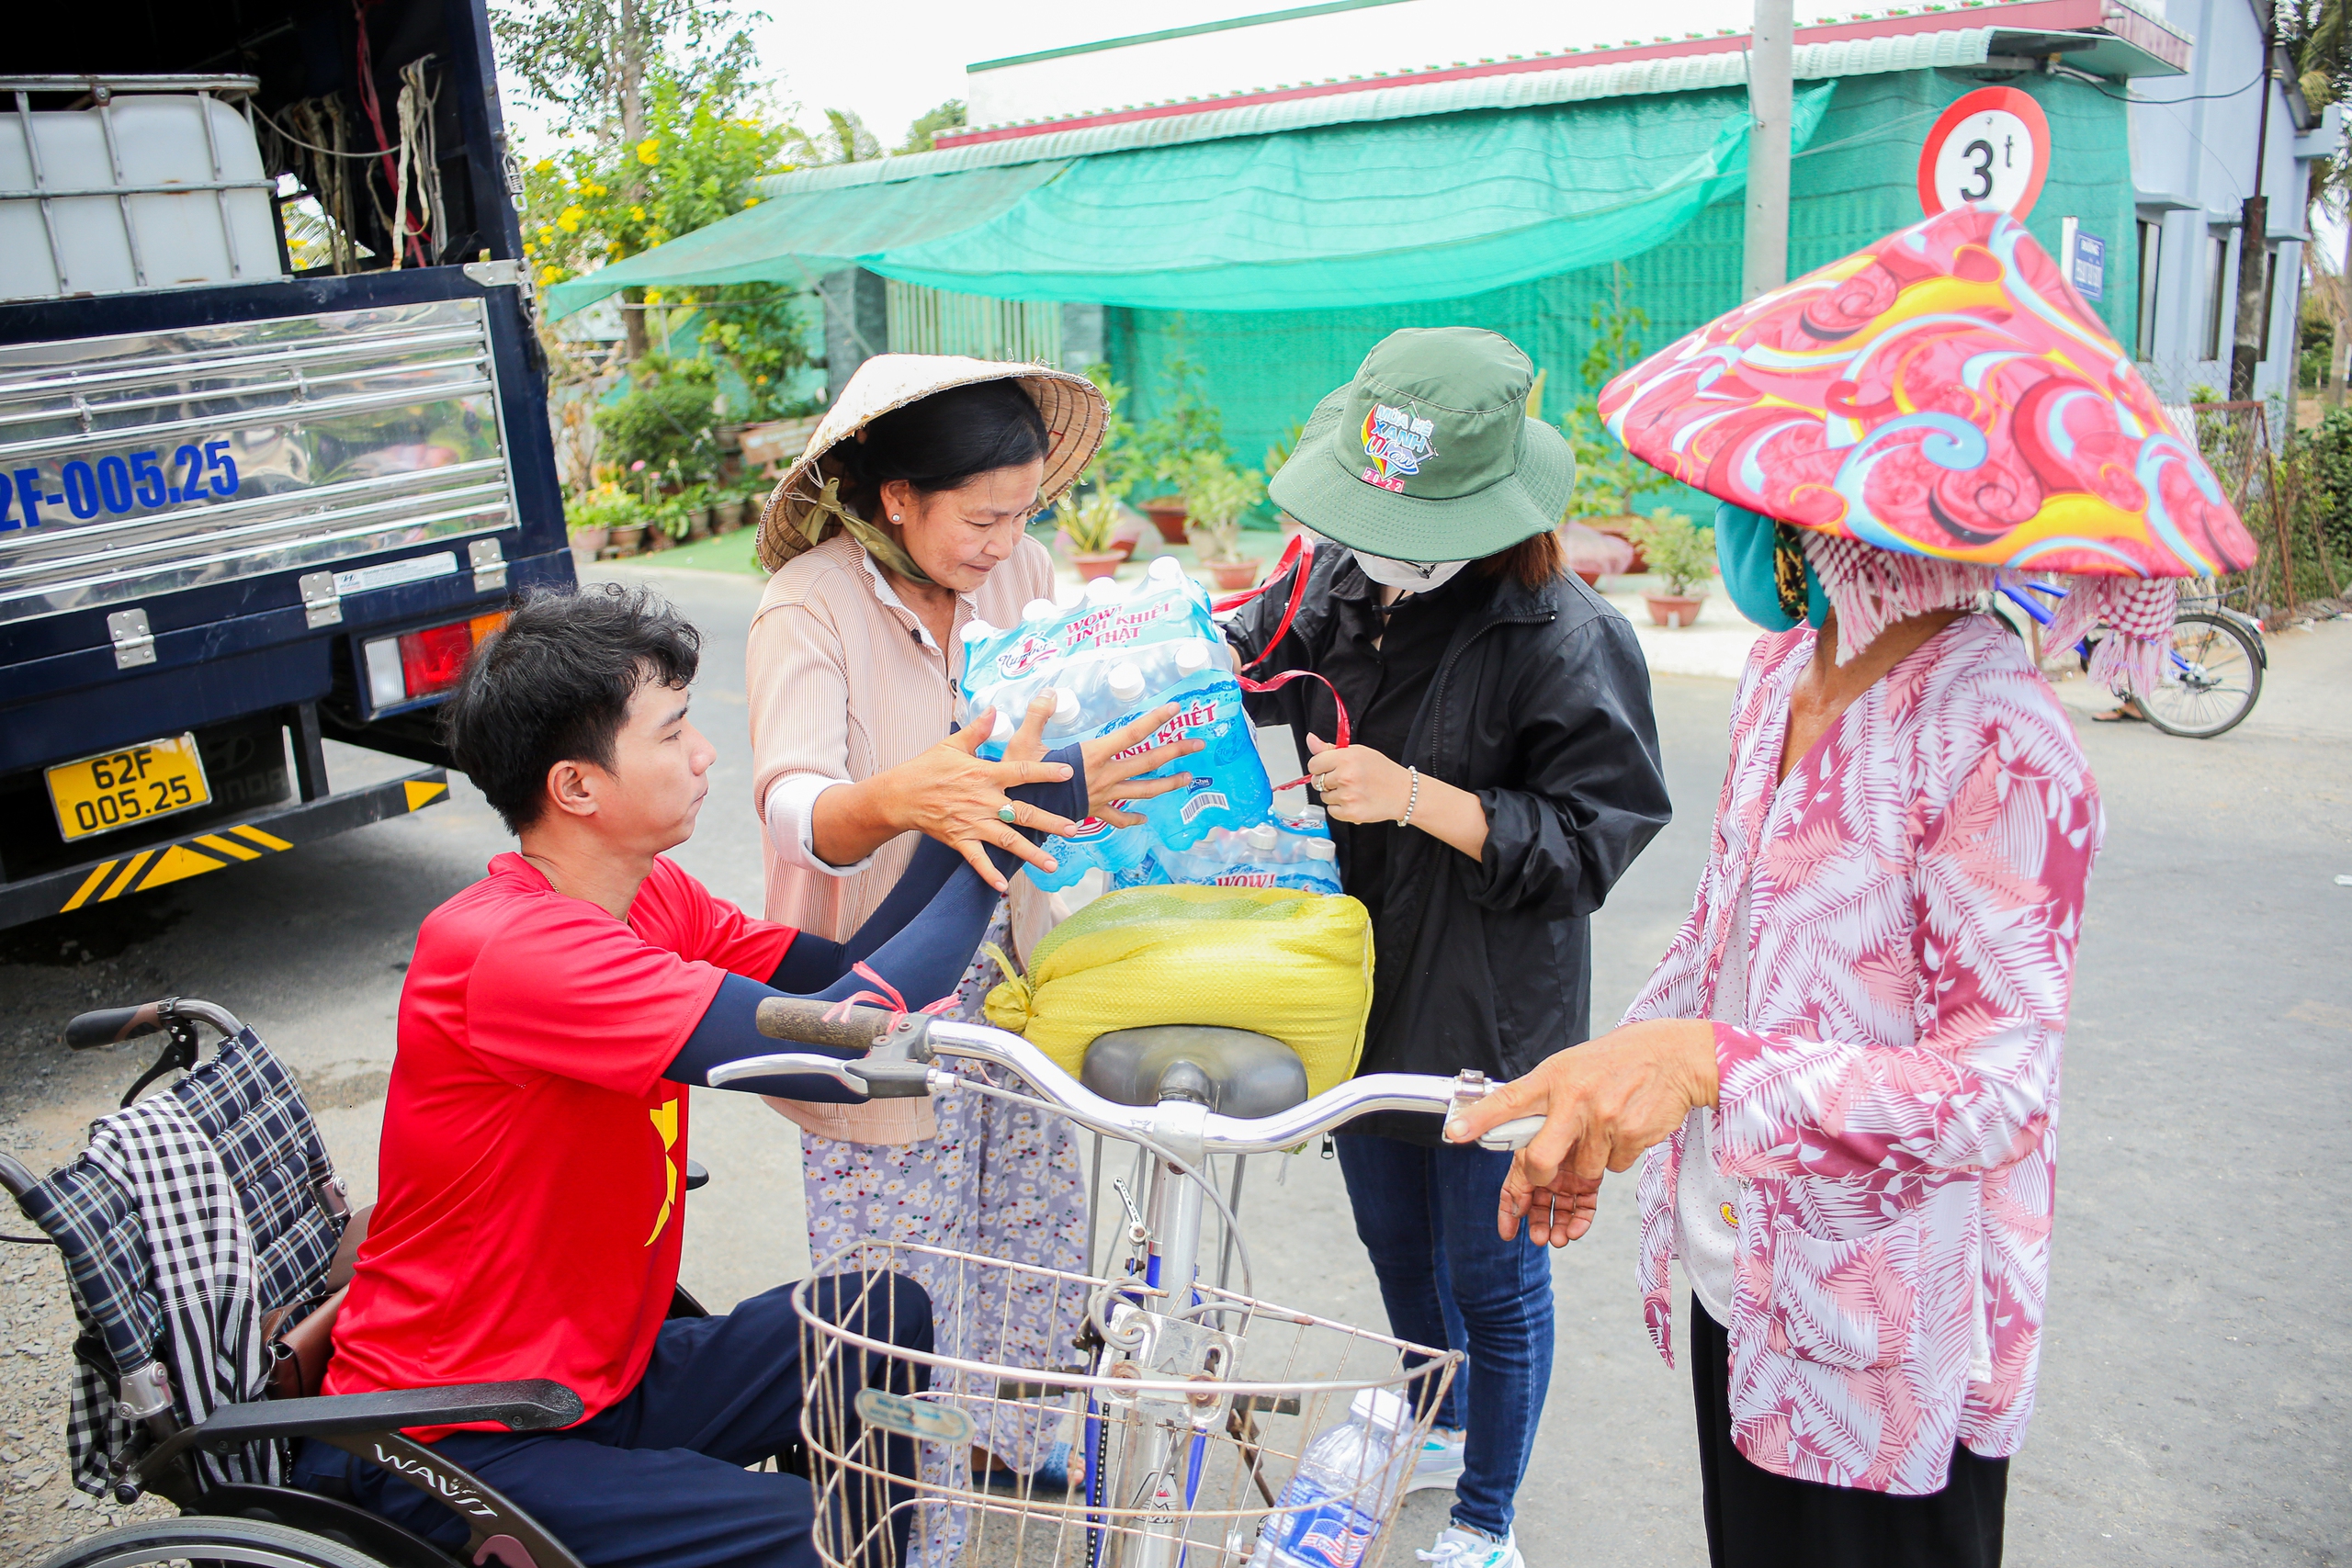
1495 772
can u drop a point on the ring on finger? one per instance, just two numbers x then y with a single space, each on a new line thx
1007 814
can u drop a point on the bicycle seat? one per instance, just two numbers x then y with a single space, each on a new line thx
1234 1071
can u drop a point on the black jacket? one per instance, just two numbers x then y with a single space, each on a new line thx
1541 706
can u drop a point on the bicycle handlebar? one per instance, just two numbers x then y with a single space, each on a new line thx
912 1040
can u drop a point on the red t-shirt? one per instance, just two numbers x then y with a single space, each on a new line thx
530 1188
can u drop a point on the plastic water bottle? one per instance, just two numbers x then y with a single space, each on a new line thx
1347 1481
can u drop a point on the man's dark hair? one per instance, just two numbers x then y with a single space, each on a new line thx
554 685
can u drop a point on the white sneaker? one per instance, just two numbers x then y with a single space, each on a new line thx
1460 1548
1439 1462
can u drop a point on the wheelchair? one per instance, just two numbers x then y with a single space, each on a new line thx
305 1239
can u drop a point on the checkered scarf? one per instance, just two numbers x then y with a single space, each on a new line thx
203 1281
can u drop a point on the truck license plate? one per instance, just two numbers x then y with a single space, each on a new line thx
133 784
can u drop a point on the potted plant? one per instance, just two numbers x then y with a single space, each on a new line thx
1607 475
1684 555
1090 525
595 516
1188 427
726 510
1215 495
695 501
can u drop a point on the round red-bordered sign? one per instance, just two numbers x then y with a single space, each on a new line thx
1991 146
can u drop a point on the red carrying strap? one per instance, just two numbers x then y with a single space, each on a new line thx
1297 558
1298 553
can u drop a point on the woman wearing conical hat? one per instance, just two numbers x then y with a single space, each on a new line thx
904 521
1842 1081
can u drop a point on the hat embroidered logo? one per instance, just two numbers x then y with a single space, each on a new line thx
1397 444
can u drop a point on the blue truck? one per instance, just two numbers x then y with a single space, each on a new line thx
253 498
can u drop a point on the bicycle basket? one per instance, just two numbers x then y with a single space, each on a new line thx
1188 1420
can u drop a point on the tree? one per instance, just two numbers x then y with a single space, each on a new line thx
844 140
595 62
2320 34
599 202
923 134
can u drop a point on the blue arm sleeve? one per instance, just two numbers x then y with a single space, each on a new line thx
920 940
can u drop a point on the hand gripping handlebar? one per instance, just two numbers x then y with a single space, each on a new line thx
902 1047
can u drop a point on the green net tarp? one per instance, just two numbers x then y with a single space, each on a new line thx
1384 212
1855 182
798 238
1380 212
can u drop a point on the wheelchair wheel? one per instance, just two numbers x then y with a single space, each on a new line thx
232 1544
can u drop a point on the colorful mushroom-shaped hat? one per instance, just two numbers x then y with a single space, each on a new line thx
1944 394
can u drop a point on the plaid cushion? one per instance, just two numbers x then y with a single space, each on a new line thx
252 1114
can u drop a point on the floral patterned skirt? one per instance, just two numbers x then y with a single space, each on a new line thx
1000 1181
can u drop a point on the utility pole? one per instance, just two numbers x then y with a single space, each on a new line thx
2254 242
1764 263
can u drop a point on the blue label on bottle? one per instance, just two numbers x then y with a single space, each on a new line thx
1330 1533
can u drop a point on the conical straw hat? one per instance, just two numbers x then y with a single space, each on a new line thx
1943 393
1072 407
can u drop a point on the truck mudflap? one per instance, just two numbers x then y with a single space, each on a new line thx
217 846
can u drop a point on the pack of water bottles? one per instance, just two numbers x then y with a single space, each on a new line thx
1109 655
1292 852
1344 1488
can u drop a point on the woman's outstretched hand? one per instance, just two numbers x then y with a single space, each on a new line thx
948 792
1604 1104
1113 762
1357 783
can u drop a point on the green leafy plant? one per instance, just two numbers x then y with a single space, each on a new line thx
1607 475
1679 550
669 514
1188 424
606 505
1119 464
1091 524
667 421
1215 495
1278 450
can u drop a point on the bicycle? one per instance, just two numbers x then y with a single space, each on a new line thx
1189 1394
2212 672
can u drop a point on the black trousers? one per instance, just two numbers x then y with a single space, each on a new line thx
1758 1519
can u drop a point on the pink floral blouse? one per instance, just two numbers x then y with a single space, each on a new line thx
1892 1104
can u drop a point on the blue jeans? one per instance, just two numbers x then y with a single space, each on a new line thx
1427 1215
658 1479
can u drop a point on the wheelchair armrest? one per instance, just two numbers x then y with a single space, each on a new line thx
534 1405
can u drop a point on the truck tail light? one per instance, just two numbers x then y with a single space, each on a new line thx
423 663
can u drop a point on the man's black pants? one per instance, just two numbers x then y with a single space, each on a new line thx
659 1478
1758 1519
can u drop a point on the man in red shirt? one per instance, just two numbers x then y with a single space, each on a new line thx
531 1178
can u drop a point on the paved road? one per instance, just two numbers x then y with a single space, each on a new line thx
2193 1387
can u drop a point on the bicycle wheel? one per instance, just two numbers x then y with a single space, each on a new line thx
2212 673
234 1543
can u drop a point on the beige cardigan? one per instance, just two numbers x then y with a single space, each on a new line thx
843 685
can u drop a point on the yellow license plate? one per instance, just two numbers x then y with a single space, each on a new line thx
136 783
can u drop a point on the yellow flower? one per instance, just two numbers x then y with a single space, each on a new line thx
569 218
637 212
550 273
543 166
547 234
657 235
592 189
752 202
529 249
649 151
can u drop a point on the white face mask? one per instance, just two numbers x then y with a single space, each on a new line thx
1412 576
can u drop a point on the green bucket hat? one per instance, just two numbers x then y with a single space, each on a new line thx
1429 455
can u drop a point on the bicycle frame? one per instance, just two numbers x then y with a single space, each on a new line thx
1180 1137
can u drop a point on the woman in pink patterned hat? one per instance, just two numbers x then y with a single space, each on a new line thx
1841 1084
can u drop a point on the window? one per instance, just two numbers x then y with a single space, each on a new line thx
2217 292
2152 236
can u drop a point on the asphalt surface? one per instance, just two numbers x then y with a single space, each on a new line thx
2194 1383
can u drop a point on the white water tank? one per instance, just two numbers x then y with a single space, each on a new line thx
123 227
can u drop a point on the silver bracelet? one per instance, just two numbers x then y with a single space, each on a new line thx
1412 800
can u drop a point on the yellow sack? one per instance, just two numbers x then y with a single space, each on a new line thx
1295 965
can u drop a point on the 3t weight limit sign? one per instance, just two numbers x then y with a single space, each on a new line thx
1990 148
